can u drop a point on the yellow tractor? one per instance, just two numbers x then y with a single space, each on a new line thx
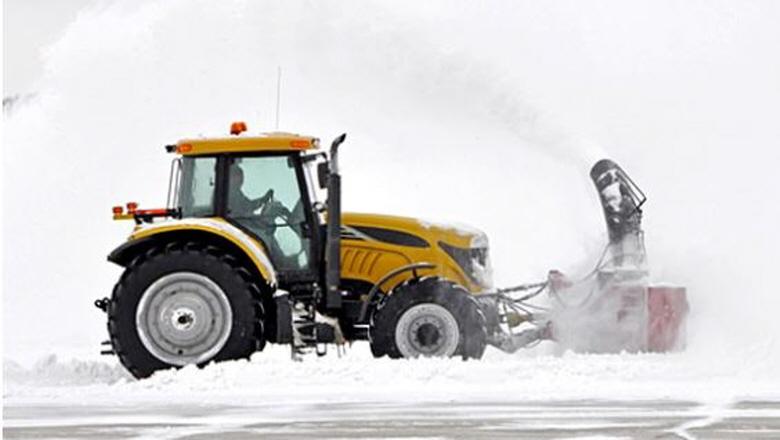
253 248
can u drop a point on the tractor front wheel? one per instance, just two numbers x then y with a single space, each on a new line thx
428 317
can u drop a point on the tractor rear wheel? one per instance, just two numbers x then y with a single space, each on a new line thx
184 304
428 317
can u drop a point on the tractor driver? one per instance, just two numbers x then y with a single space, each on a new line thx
242 206
243 209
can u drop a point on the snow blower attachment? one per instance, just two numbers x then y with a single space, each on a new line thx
613 308
252 248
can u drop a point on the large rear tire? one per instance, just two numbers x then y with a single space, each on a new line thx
184 304
428 317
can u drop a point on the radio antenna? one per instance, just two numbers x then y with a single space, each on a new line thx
278 93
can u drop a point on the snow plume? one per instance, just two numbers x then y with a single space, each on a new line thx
486 113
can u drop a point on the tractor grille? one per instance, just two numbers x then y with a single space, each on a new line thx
475 262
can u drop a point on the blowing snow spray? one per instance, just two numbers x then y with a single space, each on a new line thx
613 308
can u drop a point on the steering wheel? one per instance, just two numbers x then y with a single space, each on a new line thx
271 209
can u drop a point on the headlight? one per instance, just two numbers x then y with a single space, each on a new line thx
475 262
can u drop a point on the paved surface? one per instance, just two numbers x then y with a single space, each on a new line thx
533 420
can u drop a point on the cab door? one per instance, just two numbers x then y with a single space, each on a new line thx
266 196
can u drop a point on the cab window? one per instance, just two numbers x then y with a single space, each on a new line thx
264 196
198 179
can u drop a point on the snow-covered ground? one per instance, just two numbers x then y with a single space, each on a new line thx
356 395
271 375
486 113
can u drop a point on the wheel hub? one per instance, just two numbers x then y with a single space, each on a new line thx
427 330
428 335
184 318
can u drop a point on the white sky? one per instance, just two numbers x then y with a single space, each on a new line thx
28 27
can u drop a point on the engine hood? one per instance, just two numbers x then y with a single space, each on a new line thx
431 233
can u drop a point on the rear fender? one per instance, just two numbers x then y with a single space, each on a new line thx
211 230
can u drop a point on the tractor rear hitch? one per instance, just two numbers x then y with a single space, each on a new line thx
102 304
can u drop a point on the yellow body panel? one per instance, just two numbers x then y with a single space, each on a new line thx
369 260
247 144
429 231
262 262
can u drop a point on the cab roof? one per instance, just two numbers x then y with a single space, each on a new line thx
245 144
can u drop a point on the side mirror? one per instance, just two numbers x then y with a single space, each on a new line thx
323 171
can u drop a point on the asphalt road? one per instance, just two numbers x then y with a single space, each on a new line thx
533 420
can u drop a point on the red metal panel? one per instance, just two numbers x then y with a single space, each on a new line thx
667 309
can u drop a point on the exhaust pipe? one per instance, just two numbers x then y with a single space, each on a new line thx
333 246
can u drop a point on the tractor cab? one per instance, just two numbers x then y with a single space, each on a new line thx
266 186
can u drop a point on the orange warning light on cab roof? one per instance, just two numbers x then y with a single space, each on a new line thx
184 148
237 128
299 143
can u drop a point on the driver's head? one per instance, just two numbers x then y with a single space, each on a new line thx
236 177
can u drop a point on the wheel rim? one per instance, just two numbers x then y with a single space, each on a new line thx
427 330
184 318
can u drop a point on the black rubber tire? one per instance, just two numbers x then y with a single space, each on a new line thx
243 293
453 297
